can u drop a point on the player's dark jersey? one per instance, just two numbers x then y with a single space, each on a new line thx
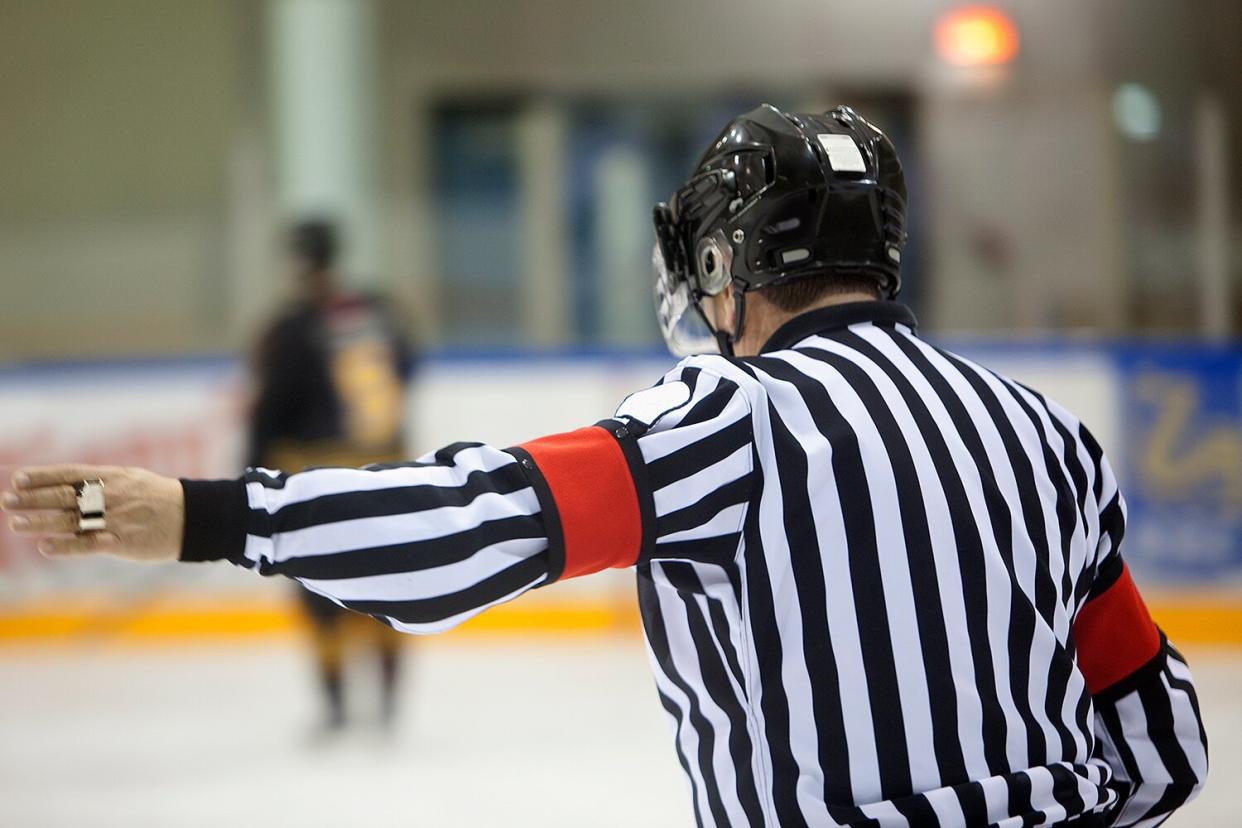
330 386
880 584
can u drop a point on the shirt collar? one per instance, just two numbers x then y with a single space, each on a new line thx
835 317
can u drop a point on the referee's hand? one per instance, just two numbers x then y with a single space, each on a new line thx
144 512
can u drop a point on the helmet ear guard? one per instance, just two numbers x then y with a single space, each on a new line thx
714 263
711 269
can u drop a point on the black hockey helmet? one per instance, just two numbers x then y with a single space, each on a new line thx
315 241
778 197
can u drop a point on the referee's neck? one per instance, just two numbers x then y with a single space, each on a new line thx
762 318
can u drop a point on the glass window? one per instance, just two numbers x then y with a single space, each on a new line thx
619 158
476 199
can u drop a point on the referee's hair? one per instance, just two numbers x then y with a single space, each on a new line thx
799 294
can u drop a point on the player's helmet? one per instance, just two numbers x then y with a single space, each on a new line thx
776 198
315 242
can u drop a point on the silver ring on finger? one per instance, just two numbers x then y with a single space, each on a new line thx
90 496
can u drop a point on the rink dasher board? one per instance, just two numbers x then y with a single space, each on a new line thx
1168 414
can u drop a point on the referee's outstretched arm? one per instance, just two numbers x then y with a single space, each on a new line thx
423 546
1147 723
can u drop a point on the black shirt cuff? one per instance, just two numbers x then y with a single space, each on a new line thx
215 520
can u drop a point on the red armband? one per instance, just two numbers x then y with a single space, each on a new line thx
588 478
1114 634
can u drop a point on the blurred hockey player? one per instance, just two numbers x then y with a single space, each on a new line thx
330 373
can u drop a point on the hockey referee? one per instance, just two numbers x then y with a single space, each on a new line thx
880 584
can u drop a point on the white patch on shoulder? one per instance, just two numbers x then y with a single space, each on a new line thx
651 404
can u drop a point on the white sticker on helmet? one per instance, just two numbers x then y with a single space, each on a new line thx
843 153
651 404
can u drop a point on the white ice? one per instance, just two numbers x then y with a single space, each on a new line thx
501 733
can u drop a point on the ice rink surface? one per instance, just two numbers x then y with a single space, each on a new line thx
501 733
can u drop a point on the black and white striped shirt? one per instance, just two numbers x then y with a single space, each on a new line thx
880 584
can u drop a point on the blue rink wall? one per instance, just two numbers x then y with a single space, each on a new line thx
1171 422
1169 414
1181 438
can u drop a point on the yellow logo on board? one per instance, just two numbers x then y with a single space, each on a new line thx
1186 453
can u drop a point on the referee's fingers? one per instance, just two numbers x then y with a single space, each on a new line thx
49 497
44 523
90 543
34 477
